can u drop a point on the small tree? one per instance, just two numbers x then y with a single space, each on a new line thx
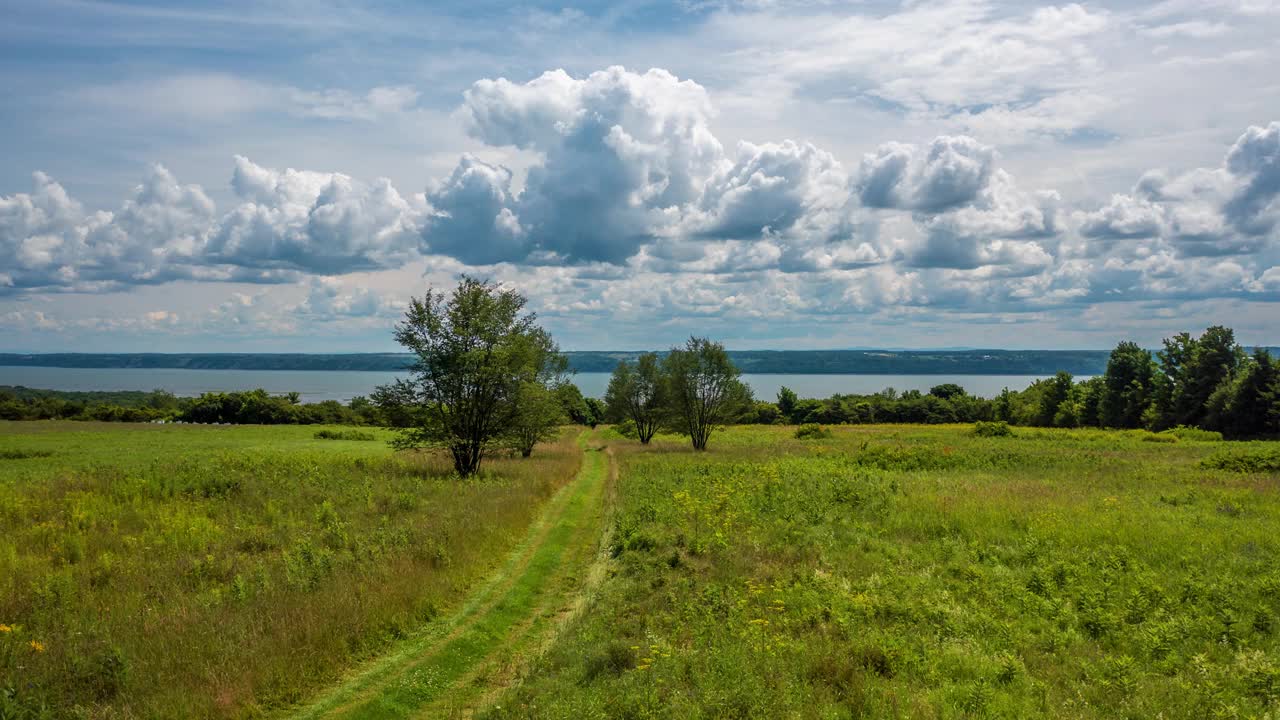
787 403
635 394
574 405
595 412
538 417
702 389
475 352
1130 386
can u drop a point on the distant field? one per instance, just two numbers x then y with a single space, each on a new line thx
191 571
923 572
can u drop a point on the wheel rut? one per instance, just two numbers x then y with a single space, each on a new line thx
461 665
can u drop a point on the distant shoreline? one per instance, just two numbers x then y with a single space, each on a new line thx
759 362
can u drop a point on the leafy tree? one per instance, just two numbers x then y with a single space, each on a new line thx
1249 404
595 412
1003 406
947 391
1129 387
1055 409
1193 369
1087 396
635 394
702 388
475 352
538 417
787 403
573 404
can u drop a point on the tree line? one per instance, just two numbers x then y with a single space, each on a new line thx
487 377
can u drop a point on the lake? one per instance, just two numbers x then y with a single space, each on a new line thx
342 385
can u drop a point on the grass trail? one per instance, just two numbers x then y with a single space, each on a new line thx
459 664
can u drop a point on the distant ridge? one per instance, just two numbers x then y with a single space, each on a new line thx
765 362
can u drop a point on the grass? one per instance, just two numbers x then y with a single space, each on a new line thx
427 671
880 571
925 572
225 571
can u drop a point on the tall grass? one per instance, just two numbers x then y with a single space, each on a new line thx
906 571
225 571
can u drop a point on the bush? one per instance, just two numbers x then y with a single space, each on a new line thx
1160 438
23 454
812 431
1182 432
344 435
1251 461
995 428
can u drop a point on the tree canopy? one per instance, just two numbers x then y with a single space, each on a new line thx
476 354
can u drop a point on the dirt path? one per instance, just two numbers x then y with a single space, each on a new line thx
464 663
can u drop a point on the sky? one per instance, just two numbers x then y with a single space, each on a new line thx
282 176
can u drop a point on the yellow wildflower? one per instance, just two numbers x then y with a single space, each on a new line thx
37 645
6 628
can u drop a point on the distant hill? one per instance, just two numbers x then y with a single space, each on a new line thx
807 362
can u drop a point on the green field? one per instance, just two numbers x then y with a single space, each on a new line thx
192 571
904 571
885 571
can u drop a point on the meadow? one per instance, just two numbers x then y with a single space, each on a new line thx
820 572
152 571
927 572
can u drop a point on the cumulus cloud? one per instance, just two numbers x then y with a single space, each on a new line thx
288 222
950 172
1228 210
314 222
632 207
628 167
47 239
623 154
329 299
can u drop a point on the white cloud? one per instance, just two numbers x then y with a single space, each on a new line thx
325 223
1228 210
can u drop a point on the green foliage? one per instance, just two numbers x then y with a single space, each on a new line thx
635 394
344 435
1129 387
476 355
811 431
994 428
787 403
539 414
1193 368
573 404
1196 434
1264 458
947 391
702 389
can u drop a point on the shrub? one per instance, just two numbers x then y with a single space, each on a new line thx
23 454
995 428
812 431
1251 461
343 435
1182 432
1160 438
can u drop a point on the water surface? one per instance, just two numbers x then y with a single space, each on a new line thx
342 385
